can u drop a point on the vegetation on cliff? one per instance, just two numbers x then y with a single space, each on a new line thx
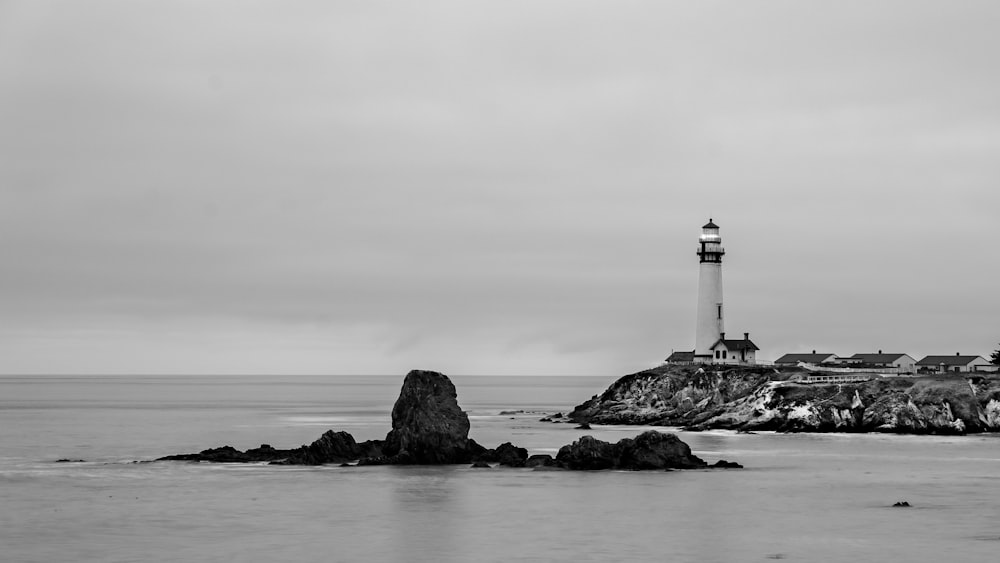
763 398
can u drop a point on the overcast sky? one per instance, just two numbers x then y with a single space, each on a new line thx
490 187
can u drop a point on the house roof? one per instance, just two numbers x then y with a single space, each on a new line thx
735 344
681 357
710 225
807 358
949 360
877 358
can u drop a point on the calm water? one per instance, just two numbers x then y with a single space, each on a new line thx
801 498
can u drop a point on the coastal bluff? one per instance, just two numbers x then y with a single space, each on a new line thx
429 428
749 398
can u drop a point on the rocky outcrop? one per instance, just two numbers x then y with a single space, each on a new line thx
649 450
331 447
504 454
428 426
766 399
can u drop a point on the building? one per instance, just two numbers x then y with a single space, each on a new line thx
903 362
710 321
710 343
681 358
813 358
734 351
956 364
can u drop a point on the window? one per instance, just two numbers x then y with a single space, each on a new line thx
716 354
720 310
723 354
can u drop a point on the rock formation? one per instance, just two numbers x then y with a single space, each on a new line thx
331 447
757 398
649 450
428 427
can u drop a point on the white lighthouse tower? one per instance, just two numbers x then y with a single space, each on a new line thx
710 312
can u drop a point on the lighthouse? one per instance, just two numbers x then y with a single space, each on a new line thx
710 325
710 344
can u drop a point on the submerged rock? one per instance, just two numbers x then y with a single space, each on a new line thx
723 464
540 460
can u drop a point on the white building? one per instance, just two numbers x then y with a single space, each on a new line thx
710 323
734 351
710 344
903 362
955 364
813 358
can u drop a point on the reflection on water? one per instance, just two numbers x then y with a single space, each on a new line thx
426 502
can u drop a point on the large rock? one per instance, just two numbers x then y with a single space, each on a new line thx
656 450
588 453
649 450
428 426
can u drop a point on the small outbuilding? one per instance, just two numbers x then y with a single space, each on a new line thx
681 358
954 364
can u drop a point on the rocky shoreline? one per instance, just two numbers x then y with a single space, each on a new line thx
429 428
763 398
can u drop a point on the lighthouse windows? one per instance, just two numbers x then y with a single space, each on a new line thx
719 306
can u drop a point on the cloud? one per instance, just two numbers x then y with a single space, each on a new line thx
502 187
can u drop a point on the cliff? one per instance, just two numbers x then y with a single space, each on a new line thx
759 398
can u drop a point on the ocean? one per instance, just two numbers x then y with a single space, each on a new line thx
801 497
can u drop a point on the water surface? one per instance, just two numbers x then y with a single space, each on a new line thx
803 497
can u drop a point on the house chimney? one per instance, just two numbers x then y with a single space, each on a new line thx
814 351
957 354
746 336
722 336
880 351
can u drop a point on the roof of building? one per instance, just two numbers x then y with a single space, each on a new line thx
710 225
949 360
735 344
878 358
681 357
813 358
